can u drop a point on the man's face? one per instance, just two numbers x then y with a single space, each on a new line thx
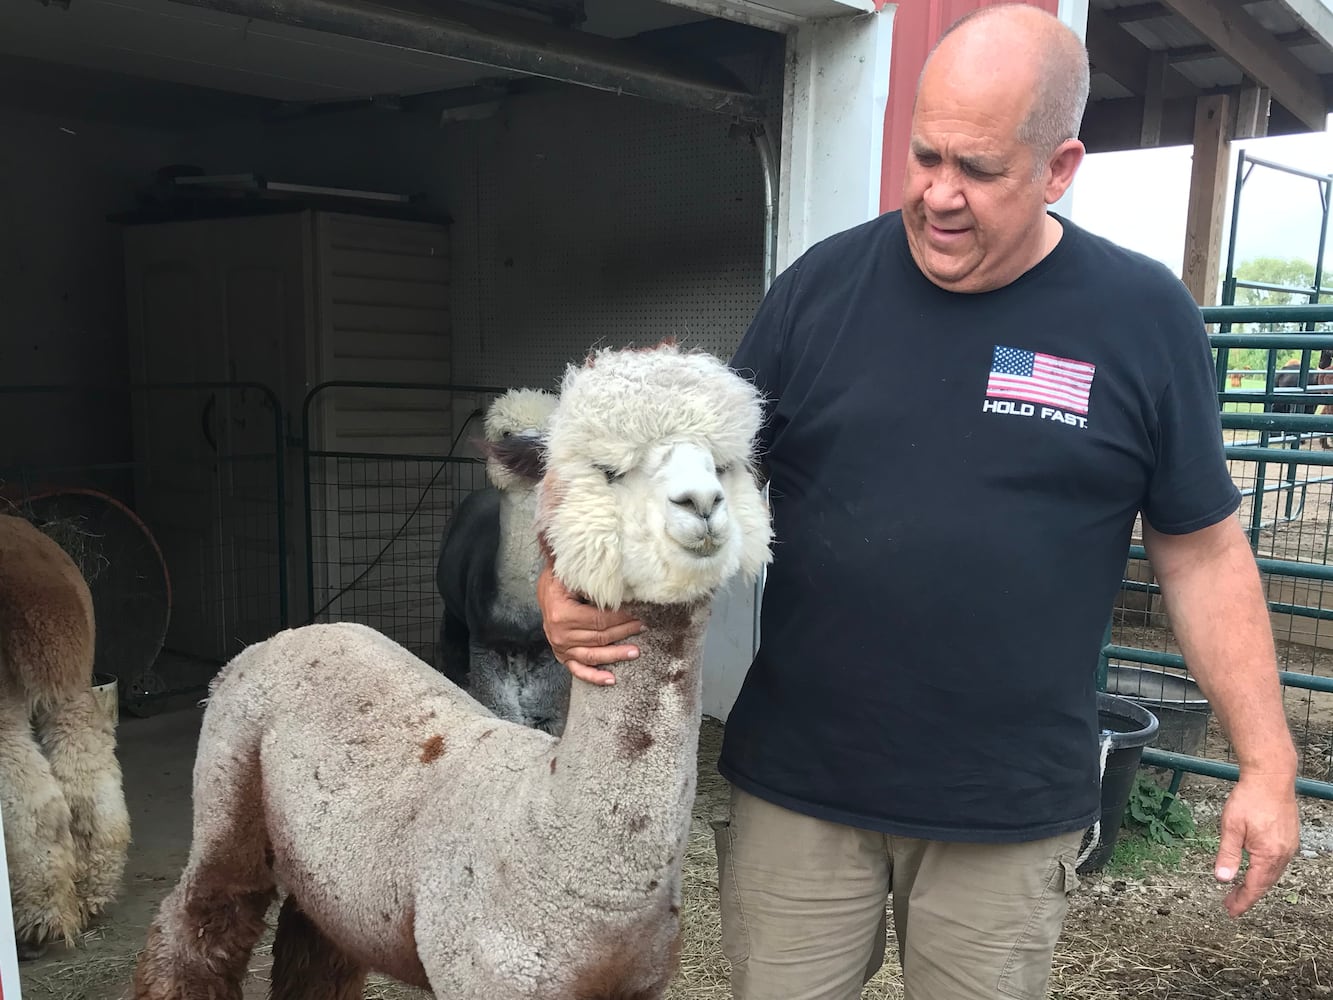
974 200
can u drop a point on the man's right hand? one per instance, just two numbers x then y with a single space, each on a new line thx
580 635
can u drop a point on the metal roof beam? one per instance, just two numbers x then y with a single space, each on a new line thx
1238 36
515 44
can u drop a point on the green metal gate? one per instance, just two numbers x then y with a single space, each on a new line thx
1269 461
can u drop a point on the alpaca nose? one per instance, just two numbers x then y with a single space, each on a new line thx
702 502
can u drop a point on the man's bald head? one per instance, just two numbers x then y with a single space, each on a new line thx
1036 53
994 141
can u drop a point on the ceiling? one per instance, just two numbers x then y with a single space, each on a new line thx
1157 27
174 63
1152 59
166 41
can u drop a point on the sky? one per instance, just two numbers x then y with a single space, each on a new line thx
1139 199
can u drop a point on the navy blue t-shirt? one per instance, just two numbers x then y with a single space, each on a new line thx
954 481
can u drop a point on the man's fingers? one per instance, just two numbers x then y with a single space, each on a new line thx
586 673
601 636
1245 895
583 662
1261 876
600 656
574 614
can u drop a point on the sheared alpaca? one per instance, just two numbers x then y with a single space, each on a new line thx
491 639
67 829
417 835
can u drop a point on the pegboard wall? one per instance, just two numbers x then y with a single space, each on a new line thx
586 220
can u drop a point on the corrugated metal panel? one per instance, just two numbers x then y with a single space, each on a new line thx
1207 73
1164 33
916 26
1169 30
1317 57
1274 16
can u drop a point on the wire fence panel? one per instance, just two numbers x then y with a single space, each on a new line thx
376 514
178 518
1278 429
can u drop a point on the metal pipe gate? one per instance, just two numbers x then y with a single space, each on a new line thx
1264 451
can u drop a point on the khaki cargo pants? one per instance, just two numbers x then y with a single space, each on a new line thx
803 909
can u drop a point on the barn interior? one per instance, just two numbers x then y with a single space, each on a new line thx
267 263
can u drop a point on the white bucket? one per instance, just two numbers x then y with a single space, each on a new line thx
106 691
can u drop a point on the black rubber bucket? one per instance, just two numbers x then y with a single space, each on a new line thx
1180 706
1132 727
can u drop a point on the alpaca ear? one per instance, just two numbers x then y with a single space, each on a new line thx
520 454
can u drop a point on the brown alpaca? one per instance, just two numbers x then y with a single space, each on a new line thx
1288 376
419 836
67 830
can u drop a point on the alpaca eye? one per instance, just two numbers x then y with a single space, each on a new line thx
722 470
611 474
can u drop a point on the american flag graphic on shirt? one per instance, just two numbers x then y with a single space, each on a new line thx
1033 377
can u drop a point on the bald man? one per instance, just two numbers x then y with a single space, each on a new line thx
971 402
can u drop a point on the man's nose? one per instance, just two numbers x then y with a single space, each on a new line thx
944 195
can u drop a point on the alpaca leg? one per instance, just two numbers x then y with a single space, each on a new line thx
494 684
80 741
307 965
38 845
548 692
454 649
199 944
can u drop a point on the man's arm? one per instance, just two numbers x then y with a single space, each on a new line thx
1218 612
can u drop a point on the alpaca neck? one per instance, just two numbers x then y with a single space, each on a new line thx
630 749
518 561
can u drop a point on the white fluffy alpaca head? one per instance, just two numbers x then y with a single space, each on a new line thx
650 492
518 414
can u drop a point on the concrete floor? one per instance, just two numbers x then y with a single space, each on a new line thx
156 757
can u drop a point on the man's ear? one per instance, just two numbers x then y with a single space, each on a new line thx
1061 168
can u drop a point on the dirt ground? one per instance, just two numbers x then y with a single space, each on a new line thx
1139 934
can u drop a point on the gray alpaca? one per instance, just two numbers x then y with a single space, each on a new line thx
491 639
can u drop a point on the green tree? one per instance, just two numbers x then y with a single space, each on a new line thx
1290 273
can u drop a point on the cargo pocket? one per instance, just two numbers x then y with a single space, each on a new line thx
735 932
1028 967
1071 881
